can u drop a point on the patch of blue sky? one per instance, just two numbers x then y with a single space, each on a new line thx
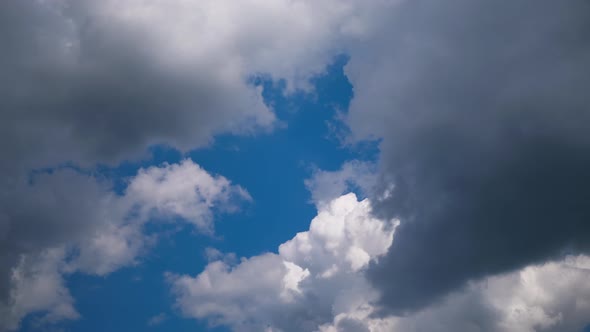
271 166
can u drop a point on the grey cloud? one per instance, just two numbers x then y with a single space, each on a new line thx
69 204
317 277
483 111
352 325
86 82
81 86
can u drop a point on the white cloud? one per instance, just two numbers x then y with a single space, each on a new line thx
181 192
316 282
287 39
125 76
179 71
315 276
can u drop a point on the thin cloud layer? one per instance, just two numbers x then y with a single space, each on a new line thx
482 108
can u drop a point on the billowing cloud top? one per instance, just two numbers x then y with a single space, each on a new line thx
314 277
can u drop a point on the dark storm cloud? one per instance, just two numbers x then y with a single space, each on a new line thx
90 87
483 107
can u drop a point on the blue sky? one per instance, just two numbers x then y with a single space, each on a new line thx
271 166
294 165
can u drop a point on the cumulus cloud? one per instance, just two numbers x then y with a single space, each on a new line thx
315 276
317 282
88 82
482 115
184 190
482 110
98 233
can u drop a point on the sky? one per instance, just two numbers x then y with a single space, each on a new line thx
295 165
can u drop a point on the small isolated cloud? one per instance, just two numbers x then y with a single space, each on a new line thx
183 191
157 319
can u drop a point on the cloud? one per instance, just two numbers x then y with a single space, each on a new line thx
38 286
325 186
98 233
550 297
482 110
316 275
482 116
317 282
157 319
87 82
184 190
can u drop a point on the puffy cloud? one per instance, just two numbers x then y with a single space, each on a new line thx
184 190
98 233
482 110
88 82
317 282
549 297
316 275
482 114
